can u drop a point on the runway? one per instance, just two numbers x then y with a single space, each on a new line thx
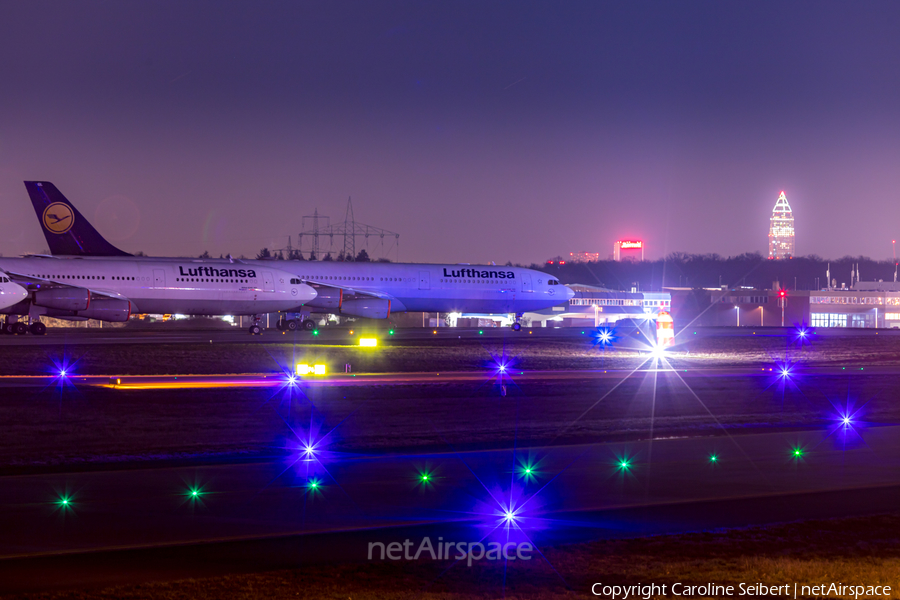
568 494
426 453
350 336
269 380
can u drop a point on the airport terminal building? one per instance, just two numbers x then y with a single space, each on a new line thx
594 306
872 305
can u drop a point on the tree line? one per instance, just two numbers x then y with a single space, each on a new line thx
295 254
712 270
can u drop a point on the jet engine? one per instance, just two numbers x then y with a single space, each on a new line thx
370 308
67 298
115 310
326 297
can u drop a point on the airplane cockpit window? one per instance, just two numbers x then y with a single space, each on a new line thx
552 282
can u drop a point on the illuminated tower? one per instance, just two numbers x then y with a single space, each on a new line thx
781 230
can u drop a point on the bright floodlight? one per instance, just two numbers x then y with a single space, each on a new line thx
502 368
846 420
319 369
62 373
785 372
292 379
658 352
368 342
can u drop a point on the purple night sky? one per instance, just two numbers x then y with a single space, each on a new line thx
479 131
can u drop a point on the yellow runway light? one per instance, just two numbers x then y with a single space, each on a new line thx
303 369
368 342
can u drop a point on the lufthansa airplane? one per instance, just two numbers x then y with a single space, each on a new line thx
111 290
362 289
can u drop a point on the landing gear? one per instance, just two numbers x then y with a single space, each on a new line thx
287 325
38 328
255 328
308 324
516 326
13 326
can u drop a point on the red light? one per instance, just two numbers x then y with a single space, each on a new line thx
782 293
562 262
626 244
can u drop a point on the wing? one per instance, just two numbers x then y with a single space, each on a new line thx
32 284
350 291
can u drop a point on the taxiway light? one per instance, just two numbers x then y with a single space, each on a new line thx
368 342
304 369
624 465
713 458
480 332
315 332
797 452
391 332
313 484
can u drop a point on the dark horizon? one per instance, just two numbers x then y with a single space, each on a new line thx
496 132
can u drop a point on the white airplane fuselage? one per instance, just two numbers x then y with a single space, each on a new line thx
483 289
165 286
11 293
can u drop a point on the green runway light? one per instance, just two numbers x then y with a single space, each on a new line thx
315 332
480 332
624 464
713 458
797 452
391 332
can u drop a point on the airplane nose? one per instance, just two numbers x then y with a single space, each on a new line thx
570 293
308 293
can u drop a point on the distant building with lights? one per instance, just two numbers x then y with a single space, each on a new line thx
628 250
583 257
781 230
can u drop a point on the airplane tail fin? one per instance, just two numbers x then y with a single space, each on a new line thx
67 231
